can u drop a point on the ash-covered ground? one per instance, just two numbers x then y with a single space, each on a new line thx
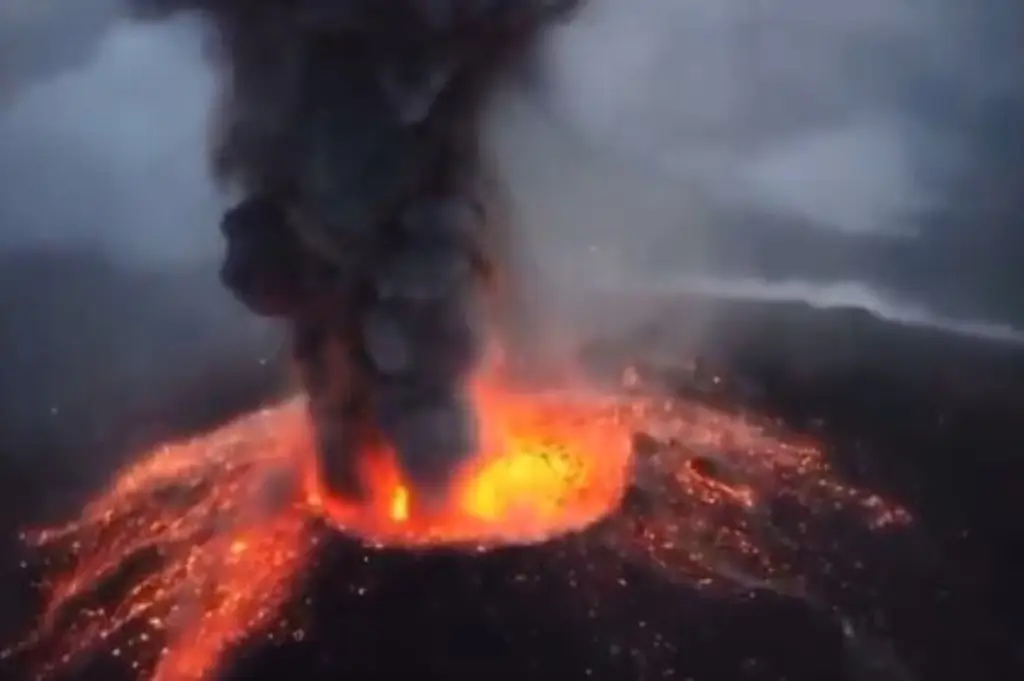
932 420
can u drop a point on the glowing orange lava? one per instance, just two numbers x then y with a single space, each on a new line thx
202 540
196 548
547 465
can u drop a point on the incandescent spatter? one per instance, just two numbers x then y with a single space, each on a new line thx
351 129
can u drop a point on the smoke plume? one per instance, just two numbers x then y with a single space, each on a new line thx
350 132
847 153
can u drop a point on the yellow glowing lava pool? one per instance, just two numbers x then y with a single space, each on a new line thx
546 467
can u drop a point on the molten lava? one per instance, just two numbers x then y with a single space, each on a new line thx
547 465
198 546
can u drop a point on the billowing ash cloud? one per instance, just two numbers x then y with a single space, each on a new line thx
788 146
350 131
792 129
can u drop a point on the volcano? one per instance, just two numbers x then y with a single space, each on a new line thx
824 496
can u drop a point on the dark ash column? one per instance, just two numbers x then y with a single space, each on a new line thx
352 129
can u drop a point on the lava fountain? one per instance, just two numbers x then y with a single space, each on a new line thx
197 547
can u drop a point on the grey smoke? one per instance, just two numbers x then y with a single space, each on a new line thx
800 106
110 154
812 141
116 330
41 37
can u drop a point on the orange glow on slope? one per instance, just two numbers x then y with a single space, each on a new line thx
223 524
196 548
201 541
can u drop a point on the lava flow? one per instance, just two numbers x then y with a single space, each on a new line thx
197 547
